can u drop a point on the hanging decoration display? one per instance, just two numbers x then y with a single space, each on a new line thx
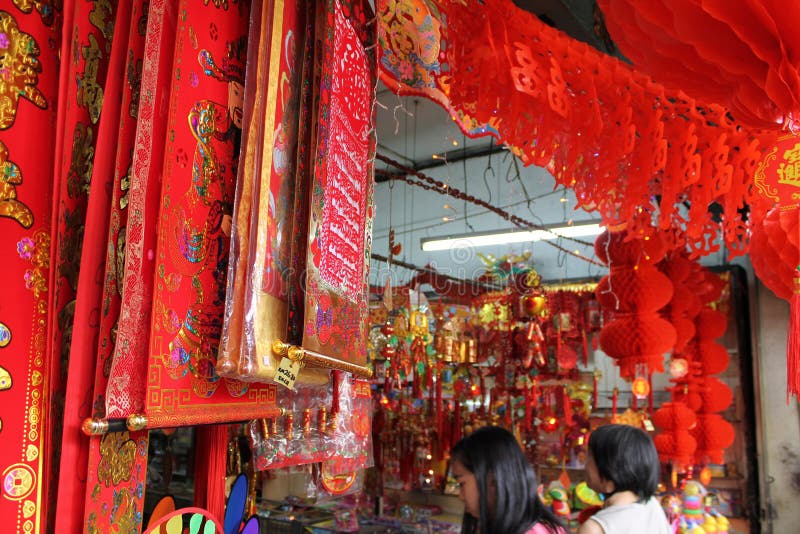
28 105
629 148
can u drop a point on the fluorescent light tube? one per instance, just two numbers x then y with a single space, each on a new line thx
483 239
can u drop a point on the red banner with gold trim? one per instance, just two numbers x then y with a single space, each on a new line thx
28 94
114 489
127 376
195 218
340 228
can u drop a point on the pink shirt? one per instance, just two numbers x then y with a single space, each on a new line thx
539 528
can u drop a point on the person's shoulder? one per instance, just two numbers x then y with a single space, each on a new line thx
591 526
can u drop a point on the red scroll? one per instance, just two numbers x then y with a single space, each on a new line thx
266 215
195 221
126 381
341 203
28 97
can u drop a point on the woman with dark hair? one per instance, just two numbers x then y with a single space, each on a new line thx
622 465
498 486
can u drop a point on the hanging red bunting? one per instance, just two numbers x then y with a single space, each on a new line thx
632 150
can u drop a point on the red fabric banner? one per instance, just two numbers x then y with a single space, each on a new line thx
340 227
126 382
125 489
28 96
195 218
85 53
85 330
115 483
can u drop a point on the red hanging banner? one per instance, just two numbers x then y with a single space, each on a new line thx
195 218
28 96
340 227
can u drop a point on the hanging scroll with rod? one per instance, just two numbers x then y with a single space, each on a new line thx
195 218
340 225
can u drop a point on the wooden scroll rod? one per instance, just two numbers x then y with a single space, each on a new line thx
315 359
94 426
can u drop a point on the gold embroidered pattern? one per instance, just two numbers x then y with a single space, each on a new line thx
45 9
102 18
90 92
117 457
19 70
10 177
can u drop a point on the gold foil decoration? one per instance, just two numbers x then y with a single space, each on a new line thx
117 457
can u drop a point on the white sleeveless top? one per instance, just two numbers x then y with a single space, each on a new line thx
634 518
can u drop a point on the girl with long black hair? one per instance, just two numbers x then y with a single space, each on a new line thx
498 486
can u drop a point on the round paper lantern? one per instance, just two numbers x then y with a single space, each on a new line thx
677 447
713 434
741 55
774 250
626 289
618 247
633 339
712 357
715 394
674 416
711 324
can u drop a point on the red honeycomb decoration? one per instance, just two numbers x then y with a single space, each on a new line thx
633 292
675 443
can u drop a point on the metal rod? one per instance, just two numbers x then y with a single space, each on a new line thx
315 359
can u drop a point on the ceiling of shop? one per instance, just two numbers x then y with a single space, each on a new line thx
418 133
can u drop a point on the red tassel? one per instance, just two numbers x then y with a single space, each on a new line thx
793 340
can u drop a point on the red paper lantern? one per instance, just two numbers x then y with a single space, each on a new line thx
713 434
711 324
674 416
712 357
677 447
620 247
638 339
775 251
715 394
741 55
626 289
